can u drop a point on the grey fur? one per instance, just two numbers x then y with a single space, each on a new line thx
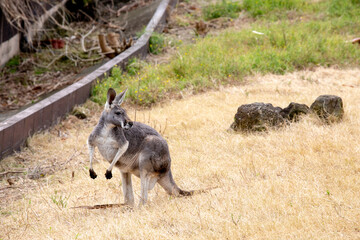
134 148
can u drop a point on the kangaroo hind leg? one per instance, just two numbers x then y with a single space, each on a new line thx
127 188
145 182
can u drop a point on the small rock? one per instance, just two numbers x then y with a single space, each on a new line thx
10 181
294 110
329 108
257 117
78 113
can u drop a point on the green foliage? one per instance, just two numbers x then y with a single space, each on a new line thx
15 61
156 43
134 66
12 64
223 9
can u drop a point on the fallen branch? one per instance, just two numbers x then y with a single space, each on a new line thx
83 39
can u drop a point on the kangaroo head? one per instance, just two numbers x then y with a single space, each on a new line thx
114 114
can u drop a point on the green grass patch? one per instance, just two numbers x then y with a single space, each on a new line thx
344 8
284 46
262 7
39 70
12 64
223 9
134 66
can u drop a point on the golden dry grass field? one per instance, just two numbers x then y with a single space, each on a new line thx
298 182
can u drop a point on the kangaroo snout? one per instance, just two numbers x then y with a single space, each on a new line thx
128 125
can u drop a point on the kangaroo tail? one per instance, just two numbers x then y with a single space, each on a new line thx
168 183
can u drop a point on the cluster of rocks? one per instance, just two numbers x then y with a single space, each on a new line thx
261 116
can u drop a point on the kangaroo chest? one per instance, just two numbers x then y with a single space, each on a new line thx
107 144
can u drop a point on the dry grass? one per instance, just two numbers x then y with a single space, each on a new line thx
301 182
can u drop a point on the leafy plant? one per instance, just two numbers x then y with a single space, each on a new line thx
156 43
133 66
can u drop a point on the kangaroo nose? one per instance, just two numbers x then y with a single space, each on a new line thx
130 124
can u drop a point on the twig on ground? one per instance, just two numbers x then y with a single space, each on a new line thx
54 60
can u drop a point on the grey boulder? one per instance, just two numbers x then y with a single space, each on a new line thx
257 117
329 108
294 111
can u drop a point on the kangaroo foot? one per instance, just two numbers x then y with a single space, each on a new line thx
92 174
108 174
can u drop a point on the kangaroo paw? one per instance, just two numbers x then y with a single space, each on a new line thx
108 174
92 174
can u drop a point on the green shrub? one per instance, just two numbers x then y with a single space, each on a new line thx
133 66
156 43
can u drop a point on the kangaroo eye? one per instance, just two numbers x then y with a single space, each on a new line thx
117 113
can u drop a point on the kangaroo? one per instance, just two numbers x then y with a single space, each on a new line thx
134 148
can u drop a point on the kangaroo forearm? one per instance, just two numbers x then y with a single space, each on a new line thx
91 156
119 153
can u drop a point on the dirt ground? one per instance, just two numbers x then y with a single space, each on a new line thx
299 182
47 67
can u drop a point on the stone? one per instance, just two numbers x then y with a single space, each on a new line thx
294 111
329 108
78 113
257 117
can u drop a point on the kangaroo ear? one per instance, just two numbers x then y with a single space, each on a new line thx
111 94
120 97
